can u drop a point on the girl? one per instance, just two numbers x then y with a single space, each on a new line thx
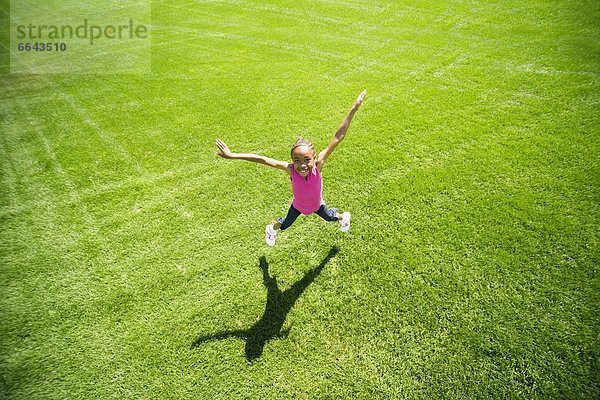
305 174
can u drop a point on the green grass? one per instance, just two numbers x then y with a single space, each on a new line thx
470 271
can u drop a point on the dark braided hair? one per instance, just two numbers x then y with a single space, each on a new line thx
302 142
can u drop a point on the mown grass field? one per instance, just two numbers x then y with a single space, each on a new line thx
471 270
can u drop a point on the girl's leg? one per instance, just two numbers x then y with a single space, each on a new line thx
332 214
328 214
284 223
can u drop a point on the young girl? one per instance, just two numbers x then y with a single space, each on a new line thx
305 174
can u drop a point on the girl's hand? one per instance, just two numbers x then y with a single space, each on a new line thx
223 149
360 99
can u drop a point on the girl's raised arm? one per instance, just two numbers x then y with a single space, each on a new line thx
228 154
341 132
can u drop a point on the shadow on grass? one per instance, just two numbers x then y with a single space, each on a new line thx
277 308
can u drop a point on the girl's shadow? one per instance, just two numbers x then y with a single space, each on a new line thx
277 308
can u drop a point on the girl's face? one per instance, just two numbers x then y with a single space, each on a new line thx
303 158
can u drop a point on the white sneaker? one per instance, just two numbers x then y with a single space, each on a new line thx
345 222
270 235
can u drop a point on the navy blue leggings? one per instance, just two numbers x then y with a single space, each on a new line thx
328 214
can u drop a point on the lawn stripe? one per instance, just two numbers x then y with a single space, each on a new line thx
130 182
303 16
75 198
18 85
256 43
350 64
106 136
7 165
25 165
469 271
360 6
360 34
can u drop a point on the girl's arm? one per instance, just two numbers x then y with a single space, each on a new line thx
341 132
228 154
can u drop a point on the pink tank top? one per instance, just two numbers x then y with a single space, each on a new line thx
308 193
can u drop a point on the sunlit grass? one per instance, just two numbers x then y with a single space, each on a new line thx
470 270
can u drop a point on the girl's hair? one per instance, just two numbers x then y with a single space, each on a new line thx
302 142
